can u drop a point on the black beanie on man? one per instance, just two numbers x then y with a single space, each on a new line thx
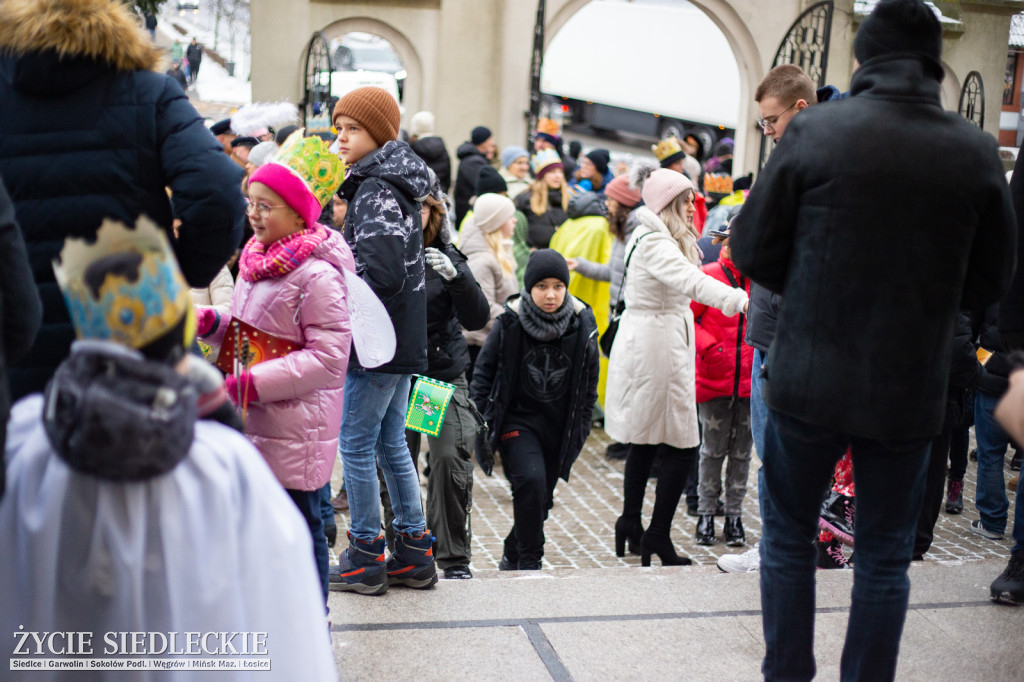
600 158
901 26
480 135
490 181
545 263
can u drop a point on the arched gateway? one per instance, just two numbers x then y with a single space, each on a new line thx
468 61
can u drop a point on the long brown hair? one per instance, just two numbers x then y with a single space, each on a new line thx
435 223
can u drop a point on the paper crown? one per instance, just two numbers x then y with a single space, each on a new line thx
311 160
543 160
666 148
133 306
549 126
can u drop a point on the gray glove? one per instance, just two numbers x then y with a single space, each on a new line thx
441 263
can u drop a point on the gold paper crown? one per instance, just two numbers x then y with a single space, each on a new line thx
132 312
667 147
313 162
549 126
543 159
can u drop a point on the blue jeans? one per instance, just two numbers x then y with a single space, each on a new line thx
372 435
799 459
991 499
758 414
308 503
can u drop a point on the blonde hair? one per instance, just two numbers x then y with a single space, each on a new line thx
539 196
685 235
497 243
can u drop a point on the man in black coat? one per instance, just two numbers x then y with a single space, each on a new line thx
20 309
473 154
89 131
194 55
862 352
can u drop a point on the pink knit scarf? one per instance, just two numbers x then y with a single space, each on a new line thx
287 253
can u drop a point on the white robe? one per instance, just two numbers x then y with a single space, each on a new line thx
215 545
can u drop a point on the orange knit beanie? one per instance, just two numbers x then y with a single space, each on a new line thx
375 108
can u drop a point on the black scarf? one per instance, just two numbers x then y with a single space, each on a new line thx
541 325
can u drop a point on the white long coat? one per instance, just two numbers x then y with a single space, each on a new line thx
651 395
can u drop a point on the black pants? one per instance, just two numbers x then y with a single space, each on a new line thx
531 466
935 481
676 467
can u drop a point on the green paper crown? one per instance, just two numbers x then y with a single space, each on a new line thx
312 161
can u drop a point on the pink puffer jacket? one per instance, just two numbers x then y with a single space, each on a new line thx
296 421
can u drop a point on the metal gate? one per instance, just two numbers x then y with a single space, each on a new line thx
972 99
536 63
806 45
316 100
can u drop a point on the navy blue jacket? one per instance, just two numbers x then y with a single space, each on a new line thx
84 139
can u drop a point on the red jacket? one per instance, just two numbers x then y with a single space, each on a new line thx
723 359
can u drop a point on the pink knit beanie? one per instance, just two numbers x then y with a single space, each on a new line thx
620 190
296 193
662 186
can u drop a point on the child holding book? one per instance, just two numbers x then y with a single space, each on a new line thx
291 286
535 383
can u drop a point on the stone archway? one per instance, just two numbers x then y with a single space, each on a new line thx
415 85
950 89
744 48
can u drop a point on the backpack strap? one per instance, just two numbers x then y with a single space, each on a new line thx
622 299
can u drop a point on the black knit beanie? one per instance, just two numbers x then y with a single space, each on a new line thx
545 263
900 26
600 158
490 181
480 135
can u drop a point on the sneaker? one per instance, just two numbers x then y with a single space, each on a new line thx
837 516
955 497
412 563
748 562
830 555
360 568
979 529
1008 588
458 573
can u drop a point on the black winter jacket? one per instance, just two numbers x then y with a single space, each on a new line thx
435 154
452 305
1011 308
471 162
497 371
541 228
383 228
863 343
84 139
763 311
20 309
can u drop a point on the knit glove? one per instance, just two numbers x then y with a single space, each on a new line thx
242 390
441 263
206 321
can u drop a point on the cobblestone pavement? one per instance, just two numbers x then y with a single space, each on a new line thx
580 528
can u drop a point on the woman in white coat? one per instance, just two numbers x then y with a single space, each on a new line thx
651 397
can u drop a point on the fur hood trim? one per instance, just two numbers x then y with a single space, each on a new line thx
104 30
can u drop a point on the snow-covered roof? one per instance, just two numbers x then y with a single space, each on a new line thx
1017 30
865 7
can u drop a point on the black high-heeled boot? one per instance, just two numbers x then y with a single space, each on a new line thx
663 547
626 529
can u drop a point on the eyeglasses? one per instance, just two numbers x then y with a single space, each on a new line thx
263 208
769 122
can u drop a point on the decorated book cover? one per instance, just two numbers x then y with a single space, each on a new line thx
252 344
428 405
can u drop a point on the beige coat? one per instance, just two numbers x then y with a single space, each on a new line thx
651 394
497 286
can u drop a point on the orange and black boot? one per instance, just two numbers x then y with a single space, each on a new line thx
361 568
412 563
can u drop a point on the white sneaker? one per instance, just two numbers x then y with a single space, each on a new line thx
748 562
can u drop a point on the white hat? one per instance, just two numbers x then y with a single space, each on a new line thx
491 211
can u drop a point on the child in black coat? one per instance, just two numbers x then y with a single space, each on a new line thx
535 382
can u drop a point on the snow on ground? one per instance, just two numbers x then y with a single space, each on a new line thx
213 83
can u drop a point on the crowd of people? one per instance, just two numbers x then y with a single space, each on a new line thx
233 310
